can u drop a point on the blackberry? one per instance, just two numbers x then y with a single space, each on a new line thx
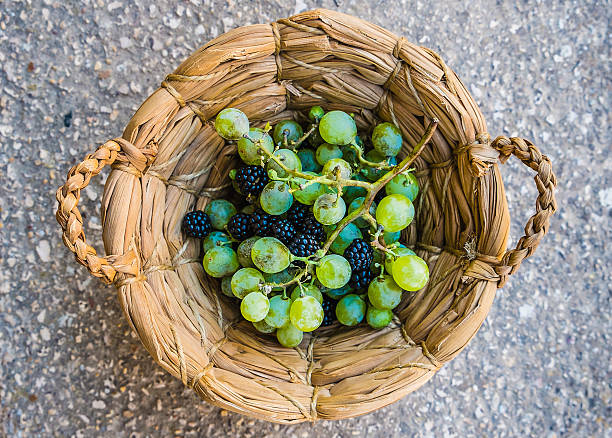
283 230
260 223
329 311
238 226
304 245
359 255
251 179
360 279
313 228
298 213
197 224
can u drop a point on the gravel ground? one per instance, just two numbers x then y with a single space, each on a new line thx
72 73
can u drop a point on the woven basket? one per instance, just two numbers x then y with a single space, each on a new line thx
170 160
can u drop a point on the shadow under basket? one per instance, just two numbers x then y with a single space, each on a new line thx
170 160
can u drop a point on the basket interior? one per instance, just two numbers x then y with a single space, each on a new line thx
272 73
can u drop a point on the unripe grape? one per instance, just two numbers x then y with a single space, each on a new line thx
254 307
245 281
220 211
250 152
399 252
410 272
232 124
387 139
384 293
378 318
278 314
270 255
326 152
275 198
337 127
289 336
306 313
350 310
215 238
329 209
220 261
394 212
288 158
337 163
333 271
403 184
293 130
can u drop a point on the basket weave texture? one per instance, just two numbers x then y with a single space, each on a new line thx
170 160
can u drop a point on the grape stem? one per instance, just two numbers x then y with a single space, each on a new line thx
381 165
374 188
301 140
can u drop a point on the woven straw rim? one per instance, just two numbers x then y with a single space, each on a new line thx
170 160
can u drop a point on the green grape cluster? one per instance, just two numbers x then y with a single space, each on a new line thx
303 244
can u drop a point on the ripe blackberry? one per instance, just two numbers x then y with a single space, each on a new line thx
304 245
359 255
313 228
360 279
329 311
238 226
260 223
298 213
283 230
251 179
197 224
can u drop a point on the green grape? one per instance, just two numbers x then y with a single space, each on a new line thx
337 127
373 174
384 293
309 162
410 272
293 130
251 152
245 281
254 307
244 251
395 212
288 158
349 193
278 315
329 209
336 294
250 208
309 194
308 290
315 113
281 277
263 327
215 238
337 163
344 239
275 198
387 139
226 287
220 211
403 184
270 255
232 124
400 252
220 261
356 204
289 336
326 152
391 237
350 310
306 313
314 139
378 318
333 271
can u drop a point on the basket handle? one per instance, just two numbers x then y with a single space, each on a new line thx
546 205
69 217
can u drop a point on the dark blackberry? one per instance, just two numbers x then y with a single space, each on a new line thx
313 228
260 223
329 311
283 230
304 245
197 224
360 279
298 213
238 226
251 179
359 255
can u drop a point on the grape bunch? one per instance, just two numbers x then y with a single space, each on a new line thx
311 236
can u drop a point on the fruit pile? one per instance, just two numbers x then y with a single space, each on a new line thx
316 236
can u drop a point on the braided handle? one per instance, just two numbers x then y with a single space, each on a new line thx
69 217
546 205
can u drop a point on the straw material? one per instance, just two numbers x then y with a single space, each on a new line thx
170 160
